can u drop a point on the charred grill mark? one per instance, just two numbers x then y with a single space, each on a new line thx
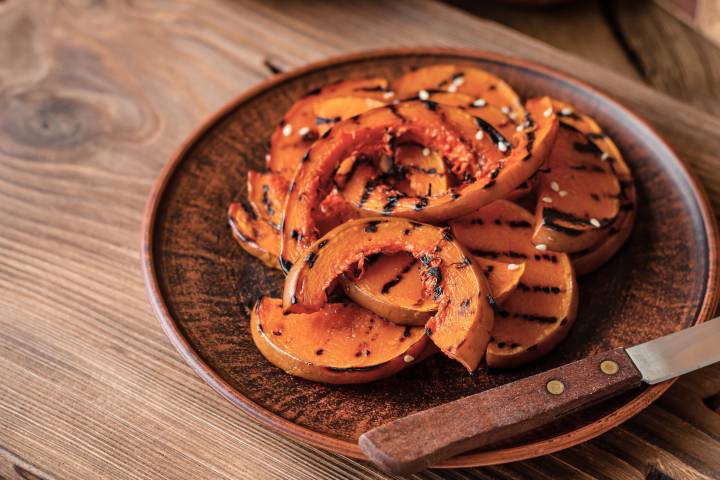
319 351
295 235
432 106
571 232
277 333
529 124
249 210
492 302
494 174
322 244
595 135
588 147
626 207
398 278
394 110
454 195
464 305
447 234
326 134
367 191
494 135
550 215
490 184
371 226
421 204
539 288
595 197
546 257
266 199
436 274
390 205
428 331
326 120
528 316
306 157
589 168
285 264
310 259
494 254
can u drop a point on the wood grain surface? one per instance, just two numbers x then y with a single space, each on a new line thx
94 99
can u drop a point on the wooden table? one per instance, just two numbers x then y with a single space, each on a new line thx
94 97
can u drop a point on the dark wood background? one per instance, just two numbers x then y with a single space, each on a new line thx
94 98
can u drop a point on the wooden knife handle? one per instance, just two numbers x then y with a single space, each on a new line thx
413 443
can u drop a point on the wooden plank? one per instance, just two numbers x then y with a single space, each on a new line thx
686 67
94 100
579 28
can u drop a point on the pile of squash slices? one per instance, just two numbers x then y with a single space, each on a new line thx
401 215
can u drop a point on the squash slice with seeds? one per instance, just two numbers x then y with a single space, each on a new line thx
588 261
299 127
391 286
341 343
463 321
490 167
538 315
579 192
482 86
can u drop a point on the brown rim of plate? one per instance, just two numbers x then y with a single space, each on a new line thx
471 459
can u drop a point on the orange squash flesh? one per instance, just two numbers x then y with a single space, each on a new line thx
254 234
579 189
266 193
452 132
334 109
474 82
391 286
460 328
338 344
298 128
423 170
538 315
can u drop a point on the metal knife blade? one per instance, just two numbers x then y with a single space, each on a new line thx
678 353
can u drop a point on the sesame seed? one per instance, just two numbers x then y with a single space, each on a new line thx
502 146
267 157
604 156
505 109
452 88
479 135
562 193
480 102
547 199
595 222
541 246
512 115
287 130
519 128
423 95
395 102
513 266
388 95
548 112
304 131
425 152
554 186
566 111
458 80
408 358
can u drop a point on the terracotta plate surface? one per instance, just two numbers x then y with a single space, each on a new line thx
201 283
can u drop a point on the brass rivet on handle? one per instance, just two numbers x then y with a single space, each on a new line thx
555 387
609 367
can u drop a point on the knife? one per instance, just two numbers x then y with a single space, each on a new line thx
415 442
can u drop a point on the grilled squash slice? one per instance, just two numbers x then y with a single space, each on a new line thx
391 286
490 167
579 192
341 343
463 321
538 315
299 127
